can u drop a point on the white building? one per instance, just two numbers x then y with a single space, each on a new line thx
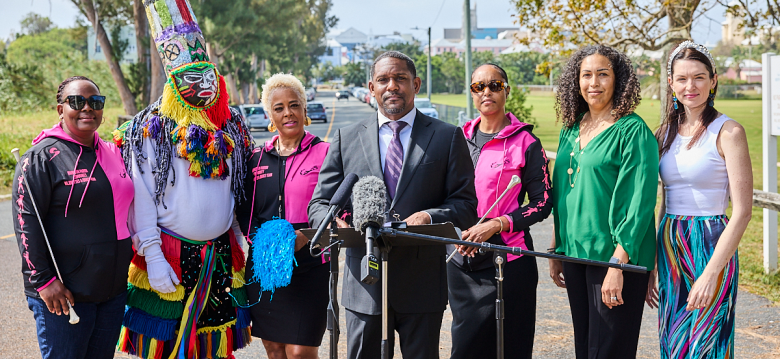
126 33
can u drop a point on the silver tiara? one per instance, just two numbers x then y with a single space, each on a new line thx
688 44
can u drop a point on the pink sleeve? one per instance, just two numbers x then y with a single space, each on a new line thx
47 284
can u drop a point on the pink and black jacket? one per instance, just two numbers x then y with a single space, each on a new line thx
513 151
282 188
83 195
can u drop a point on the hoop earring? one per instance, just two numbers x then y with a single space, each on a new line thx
712 97
271 127
307 122
674 98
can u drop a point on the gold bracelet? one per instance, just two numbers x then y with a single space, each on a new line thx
500 223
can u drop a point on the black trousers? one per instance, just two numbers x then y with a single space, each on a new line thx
600 332
472 298
418 333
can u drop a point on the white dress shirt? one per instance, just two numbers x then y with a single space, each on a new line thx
386 134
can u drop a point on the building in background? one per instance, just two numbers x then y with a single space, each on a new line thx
126 34
457 34
334 53
349 40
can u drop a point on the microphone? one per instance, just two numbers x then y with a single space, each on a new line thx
513 182
337 202
368 216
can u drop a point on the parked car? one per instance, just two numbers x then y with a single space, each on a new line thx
373 102
310 93
426 107
316 111
255 116
342 94
367 98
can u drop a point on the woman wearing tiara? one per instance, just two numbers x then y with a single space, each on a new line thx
704 161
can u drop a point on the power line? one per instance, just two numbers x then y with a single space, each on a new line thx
439 13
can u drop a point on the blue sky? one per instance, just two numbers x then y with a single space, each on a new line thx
378 17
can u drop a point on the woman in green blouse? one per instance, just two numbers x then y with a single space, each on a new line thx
604 192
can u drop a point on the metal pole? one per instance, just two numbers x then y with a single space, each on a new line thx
770 164
499 306
467 58
430 75
333 304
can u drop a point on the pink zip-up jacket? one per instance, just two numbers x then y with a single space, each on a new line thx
282 188
83 195
513 151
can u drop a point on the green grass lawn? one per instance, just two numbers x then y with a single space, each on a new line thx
746 112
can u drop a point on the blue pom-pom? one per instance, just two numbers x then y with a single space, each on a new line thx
273 254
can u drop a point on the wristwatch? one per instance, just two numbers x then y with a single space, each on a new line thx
615 260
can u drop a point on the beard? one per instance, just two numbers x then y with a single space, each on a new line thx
393 109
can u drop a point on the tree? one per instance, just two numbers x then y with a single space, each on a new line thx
110 9
354 73
411 49
564 25
33 24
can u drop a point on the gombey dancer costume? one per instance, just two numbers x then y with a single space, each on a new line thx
187 155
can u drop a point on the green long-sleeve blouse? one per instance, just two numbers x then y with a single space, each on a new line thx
613 197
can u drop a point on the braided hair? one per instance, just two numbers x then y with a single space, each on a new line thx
69 80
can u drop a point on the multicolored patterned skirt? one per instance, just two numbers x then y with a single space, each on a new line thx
685 246
203 318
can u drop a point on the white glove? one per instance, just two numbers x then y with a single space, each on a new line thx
162 278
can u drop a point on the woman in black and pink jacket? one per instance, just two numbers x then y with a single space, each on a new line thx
82 194
501 146
283 174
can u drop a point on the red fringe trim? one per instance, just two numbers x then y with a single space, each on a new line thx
175 263
219 113
237 252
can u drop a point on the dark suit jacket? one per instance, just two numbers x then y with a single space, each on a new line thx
437 177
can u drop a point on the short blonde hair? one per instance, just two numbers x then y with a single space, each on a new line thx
279 81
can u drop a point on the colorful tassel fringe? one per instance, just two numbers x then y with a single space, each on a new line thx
145 324
150 303
273 250
139 278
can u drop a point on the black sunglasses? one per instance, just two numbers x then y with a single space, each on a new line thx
77 102
494 86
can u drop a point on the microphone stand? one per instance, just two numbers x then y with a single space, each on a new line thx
333 306
499 262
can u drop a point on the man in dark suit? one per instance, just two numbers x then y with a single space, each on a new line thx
426 166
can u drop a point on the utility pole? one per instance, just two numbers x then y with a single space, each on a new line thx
428 72
467 58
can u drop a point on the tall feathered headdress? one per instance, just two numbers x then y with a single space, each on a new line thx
195 92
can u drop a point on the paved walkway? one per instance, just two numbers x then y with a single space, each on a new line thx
758 322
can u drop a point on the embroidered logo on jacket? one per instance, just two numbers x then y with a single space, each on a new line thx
79 176
54 151
259 172
310 170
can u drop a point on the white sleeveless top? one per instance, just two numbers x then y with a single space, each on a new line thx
695 180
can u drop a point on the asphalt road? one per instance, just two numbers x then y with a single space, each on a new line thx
758 322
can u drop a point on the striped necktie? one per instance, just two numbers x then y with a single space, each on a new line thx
394 158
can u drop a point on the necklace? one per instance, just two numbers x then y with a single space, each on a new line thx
571 159
279 148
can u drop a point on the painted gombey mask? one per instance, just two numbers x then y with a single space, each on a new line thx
197 84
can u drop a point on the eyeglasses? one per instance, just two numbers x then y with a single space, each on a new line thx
494 86
77 102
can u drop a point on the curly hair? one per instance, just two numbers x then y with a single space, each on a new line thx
569 103
279 81
69 80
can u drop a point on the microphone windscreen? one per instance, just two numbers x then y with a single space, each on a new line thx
368 202
344 191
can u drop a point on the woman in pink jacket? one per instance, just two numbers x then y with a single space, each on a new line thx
501 146
280 183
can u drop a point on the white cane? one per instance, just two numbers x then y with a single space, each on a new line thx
513 182
73 317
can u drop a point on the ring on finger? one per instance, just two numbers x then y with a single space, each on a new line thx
614 299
